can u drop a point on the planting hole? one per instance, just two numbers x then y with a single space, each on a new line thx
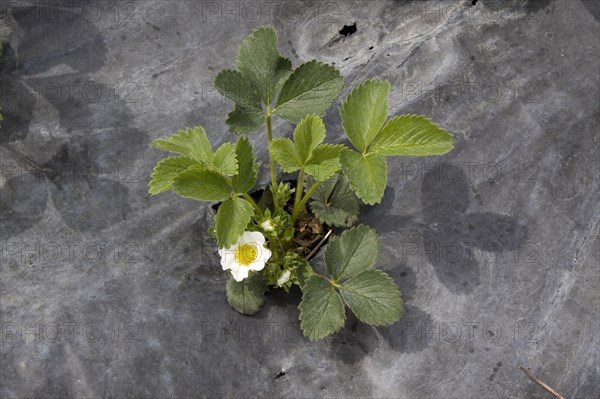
348 30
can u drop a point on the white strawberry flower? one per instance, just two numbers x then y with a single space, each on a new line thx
247 254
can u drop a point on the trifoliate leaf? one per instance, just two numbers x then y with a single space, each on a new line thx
367 174
258 60
248 295
166 170
247 167
191 143
307 152
234 86
364 112
225 160
371 294
309 133
412 135
352 252
310 89
334 203
202 184
284 152
321 309
324 161
373 297
244 120
232 218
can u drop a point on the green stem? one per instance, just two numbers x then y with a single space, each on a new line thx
270 136
309 194
297 201
254 204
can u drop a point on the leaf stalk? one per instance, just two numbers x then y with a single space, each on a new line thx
270 137
297 201
309 194
248 198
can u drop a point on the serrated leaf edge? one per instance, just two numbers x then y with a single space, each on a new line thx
333 292
344 234
295 71
389 278
345 101
413 116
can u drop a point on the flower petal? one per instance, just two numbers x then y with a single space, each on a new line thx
264 253
228 261
240 273
253 237
258 265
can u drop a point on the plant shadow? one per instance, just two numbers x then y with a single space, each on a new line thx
99 137
449 236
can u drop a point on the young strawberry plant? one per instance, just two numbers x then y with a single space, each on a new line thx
266 241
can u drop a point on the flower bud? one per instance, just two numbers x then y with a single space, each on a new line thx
267 225
284 278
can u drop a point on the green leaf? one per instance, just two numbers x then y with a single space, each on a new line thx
258 60
234 86
309 133
202 184
282 73
367 174
307 152
247 167
246 296
303 272
412 135
284 152
191 143
324 161
166 170
334 203
352 252
232 218
225 160
321 309
244 120
364 112
310 89
373 297
371 294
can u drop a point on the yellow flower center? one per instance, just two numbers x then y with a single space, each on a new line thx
246 254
